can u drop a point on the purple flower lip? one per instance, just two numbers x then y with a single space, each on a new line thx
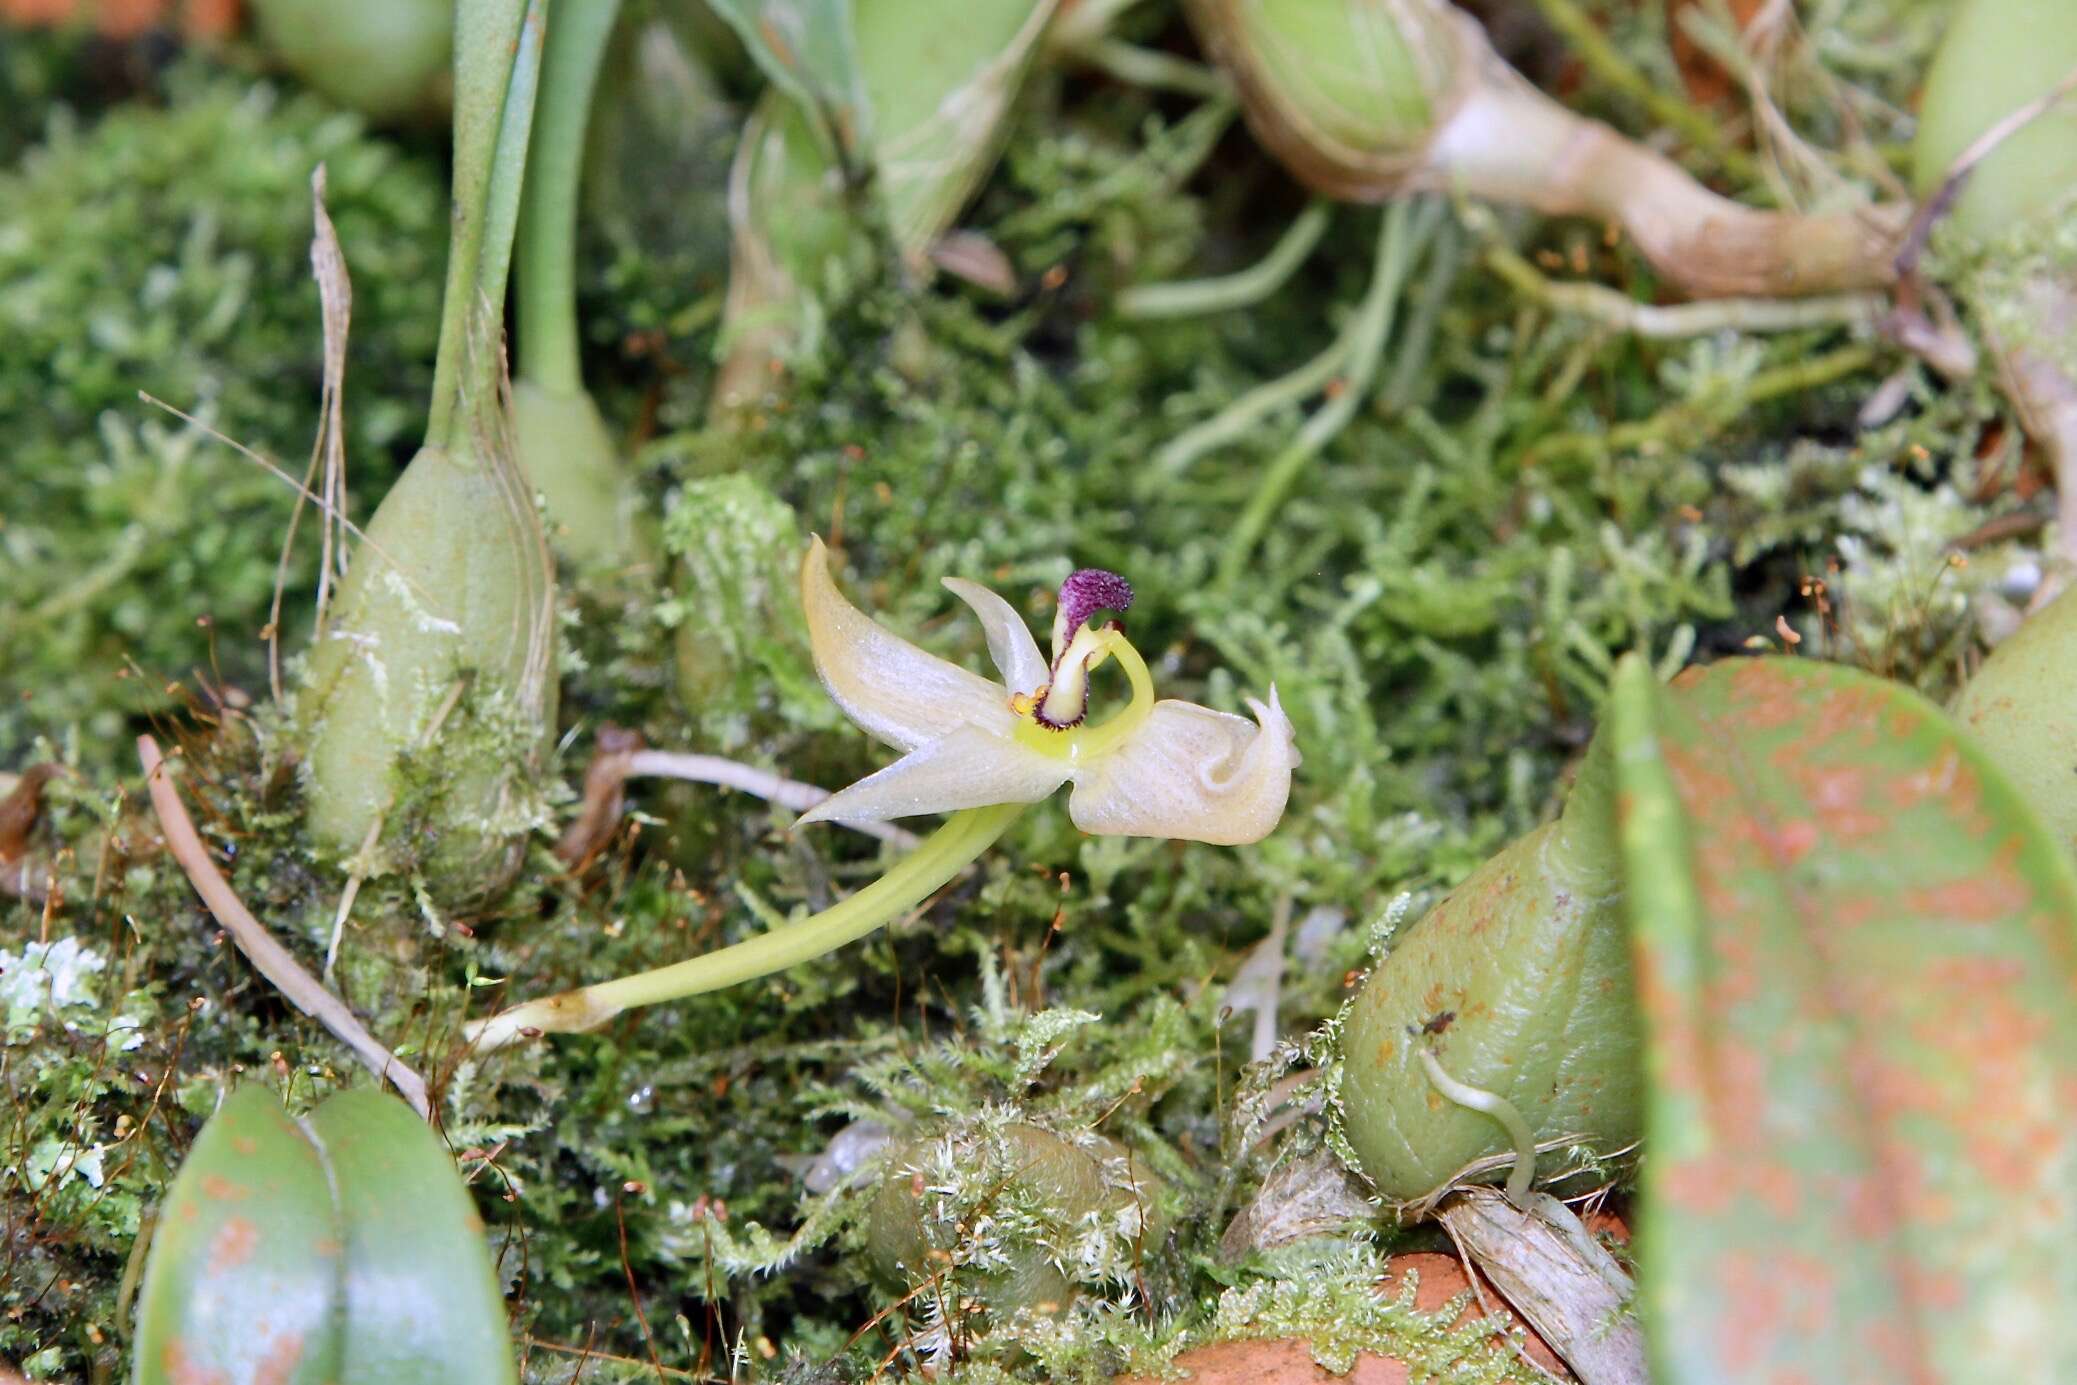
1038 715
1064 701
1089 590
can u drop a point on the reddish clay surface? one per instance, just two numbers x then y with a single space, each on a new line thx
1288 1361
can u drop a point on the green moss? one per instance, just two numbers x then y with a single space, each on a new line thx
743 666
167 251
1438 601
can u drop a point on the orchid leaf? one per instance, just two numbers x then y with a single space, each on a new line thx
809 50
2018 708
249 1220
1857 965
339 1248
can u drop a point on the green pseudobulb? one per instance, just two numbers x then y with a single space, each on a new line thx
1997 56
1520 983
387 59
438 658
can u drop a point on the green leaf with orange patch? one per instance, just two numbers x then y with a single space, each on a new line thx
339 1248
1857 965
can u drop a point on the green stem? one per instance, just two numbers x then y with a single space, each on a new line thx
1194 297
1417 342
1693 421
1245 412
547 271
965 835
1674 320
1405 225
497 68
1153 69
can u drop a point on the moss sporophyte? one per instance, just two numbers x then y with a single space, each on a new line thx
980 751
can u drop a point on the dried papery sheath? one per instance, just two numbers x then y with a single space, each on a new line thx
1366 100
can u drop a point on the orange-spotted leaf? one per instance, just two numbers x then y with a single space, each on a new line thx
341 1249
1857 965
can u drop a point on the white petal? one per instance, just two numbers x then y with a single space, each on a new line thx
1194 774
966 768
1016 653
894 690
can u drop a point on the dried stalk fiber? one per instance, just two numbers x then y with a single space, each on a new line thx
267 956
1367 100
1557 1276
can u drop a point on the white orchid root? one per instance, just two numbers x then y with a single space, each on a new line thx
1501 1110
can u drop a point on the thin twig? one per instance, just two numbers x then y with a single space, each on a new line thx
634 1294
588 1353
267 956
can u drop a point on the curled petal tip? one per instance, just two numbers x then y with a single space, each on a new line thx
1270 717
1193 774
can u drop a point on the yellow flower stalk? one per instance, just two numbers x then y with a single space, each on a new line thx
980 750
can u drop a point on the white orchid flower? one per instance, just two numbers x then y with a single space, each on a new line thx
1154 769
979 751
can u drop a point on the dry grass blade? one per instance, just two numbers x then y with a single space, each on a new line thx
328 450
267 956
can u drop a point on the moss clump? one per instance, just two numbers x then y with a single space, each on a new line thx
167 250
1439 600
743 665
